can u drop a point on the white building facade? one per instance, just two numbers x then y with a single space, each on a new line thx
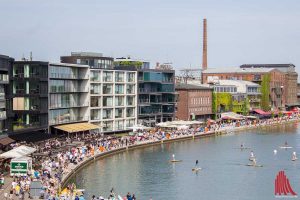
113 99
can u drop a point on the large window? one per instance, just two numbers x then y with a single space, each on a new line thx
119 113
130 100
130 89
95 88
107 101
119 76
119 101
107 114
119 125
95 76
95 101
107 76
63 72
130 123
130 77
107 88
107 125
119 89
130 112
95 114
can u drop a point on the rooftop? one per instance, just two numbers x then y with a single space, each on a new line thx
86 54
236 70
267 65
236 82
69 65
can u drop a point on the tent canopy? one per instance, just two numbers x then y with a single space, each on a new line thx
77 127
18 152
232 116
139 127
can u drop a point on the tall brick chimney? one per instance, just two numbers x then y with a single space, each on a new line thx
204 53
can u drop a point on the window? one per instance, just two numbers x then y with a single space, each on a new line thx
130 89
130 77
95 114
119 113
119 125
119 101
107 114
107 101
107 88
130 100
119 89
108 126
107 76
119 76
130 122
95 88
95 101
95 75
130 112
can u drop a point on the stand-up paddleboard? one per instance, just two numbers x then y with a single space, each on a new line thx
120 198
251 159
196 169
285 147
251 165
242 148
294 159
174 161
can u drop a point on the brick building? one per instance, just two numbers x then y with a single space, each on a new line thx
194 102
291 77
277 82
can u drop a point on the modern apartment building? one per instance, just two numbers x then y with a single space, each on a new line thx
28 97
113 99
69 94
113 93
156 96
5 64
156 91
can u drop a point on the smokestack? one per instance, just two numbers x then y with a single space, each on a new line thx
204 53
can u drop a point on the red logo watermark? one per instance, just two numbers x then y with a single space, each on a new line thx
283 187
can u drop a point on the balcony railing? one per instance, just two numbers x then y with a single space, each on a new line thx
61 120
69 105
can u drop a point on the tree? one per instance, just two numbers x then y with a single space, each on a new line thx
265 92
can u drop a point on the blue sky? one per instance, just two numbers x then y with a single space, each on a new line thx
239 32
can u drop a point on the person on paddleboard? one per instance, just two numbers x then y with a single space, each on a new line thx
196 162
286 144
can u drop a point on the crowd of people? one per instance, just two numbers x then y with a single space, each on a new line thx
56 156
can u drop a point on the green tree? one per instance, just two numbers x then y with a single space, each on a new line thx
265 92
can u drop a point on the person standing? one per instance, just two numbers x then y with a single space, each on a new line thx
1 181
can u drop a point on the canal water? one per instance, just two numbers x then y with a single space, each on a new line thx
147 173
